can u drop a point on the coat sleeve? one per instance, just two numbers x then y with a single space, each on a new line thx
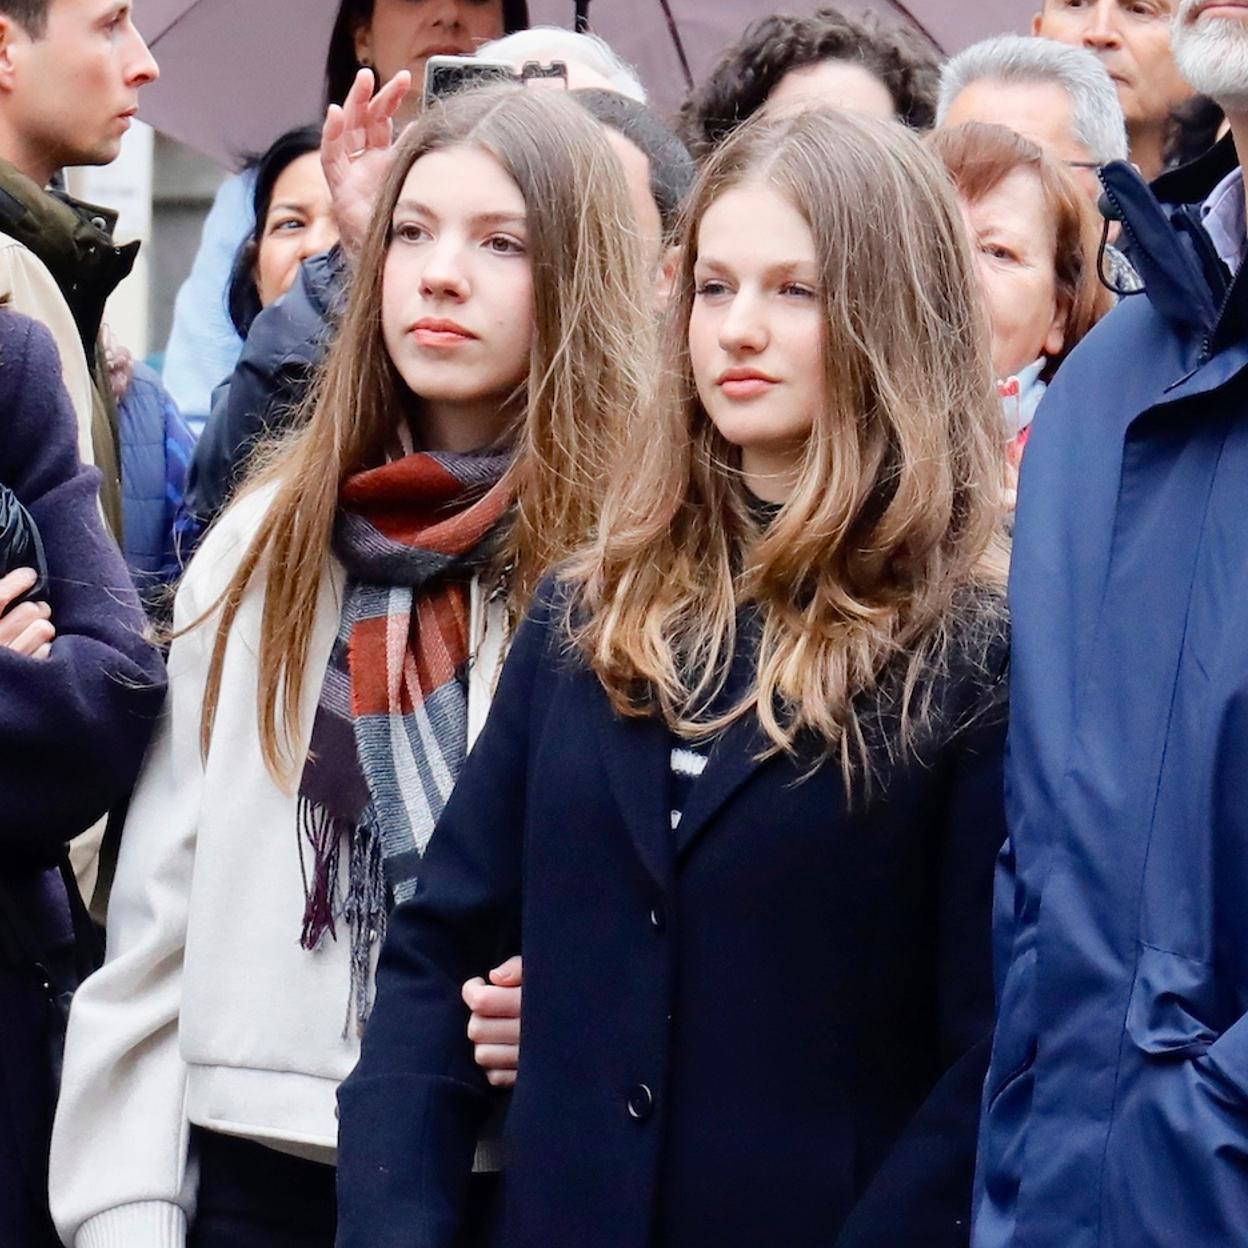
119 1165
410 1113
922 1192
73 727
271 379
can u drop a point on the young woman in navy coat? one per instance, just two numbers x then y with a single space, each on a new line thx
739 797
80 690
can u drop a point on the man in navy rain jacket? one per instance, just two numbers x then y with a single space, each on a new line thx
1116 1108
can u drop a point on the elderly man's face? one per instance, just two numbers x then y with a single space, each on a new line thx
1039 111
1211 44
1132 38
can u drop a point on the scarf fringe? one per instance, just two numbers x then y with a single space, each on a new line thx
364 907
323 836
366 910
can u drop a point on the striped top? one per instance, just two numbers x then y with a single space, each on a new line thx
688 763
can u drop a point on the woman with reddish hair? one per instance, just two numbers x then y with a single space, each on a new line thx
1036 241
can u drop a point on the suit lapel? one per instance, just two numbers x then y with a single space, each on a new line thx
636 753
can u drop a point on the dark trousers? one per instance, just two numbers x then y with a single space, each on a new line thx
251 1196
26 1094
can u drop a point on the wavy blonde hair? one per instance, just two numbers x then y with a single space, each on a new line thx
589 368
891 541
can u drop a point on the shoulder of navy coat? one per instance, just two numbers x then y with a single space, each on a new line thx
273 374
1116 1108
767 1026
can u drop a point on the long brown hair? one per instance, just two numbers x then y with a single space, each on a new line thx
979 158
589 365
891 536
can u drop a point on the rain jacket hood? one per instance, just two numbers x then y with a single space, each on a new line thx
1116 1107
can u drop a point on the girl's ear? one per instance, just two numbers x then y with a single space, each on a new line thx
665 282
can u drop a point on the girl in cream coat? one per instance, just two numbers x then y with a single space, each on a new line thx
337 638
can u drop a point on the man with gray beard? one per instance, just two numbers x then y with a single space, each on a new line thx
1116 1107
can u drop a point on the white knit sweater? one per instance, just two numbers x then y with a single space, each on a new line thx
207 1010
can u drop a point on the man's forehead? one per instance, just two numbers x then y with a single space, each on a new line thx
1041 111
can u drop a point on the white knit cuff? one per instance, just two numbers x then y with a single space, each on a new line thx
145 1224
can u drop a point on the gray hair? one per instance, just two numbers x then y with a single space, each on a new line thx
1097 114
554 43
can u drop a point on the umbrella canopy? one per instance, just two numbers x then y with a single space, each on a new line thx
638 29
236 73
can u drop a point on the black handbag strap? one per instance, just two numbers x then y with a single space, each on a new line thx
29 949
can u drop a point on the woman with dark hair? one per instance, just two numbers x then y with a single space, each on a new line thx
389 35
847 60
294 219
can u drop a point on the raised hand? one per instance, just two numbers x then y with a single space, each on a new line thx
357 146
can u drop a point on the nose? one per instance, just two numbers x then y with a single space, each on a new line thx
446 13
320 236
141 67
1102 26
743 331
443 276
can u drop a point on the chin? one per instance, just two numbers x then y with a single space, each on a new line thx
748 433
104 154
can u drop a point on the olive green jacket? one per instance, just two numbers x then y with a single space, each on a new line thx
59 265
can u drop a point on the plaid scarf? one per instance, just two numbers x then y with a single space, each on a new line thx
391 728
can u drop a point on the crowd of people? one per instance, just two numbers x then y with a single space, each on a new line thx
533 770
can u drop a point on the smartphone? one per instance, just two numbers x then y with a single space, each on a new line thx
445 75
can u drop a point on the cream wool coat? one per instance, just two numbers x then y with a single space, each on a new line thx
207 1010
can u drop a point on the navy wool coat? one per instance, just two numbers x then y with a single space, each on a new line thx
766 1028
73 729
1116 1111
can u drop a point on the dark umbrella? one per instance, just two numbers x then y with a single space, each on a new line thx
236 73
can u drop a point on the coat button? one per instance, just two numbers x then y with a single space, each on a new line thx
640 1103
658 920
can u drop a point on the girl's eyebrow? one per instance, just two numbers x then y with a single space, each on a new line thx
783 269
480 219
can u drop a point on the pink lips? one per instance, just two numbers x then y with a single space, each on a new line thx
435 332
745 383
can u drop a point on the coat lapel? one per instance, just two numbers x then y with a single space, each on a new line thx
733 760
636 753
